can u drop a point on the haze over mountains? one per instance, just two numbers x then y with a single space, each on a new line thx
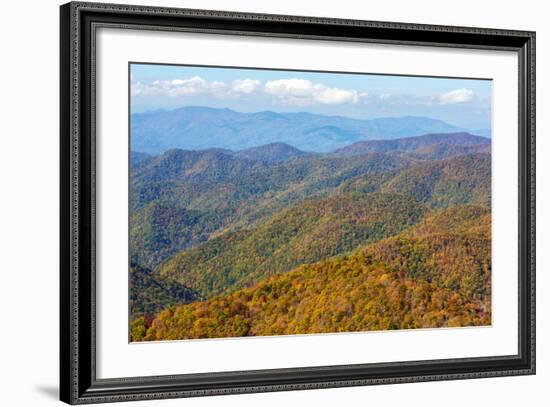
199 128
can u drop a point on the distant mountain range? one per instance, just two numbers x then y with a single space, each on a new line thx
199 128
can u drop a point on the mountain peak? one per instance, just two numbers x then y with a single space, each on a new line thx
272 152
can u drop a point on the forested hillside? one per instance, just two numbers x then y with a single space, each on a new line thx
467 142
272 152
149 295
388 234
305 233
182 198
453 181
439 279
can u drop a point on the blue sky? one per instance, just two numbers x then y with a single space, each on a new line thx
461 102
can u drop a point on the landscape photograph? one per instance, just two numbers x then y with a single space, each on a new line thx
275 202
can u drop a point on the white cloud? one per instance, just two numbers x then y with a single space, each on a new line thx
298 92
174 87
397 99
137 88
337 96
181 87
301 92
457 96
177 87
245 85
195 85
289 87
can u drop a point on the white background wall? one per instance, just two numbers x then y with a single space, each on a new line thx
29 163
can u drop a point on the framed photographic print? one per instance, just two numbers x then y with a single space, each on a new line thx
255 203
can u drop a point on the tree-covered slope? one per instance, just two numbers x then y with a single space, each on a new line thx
414 144
456 219
137 158
271 153
149 295
398 283
441 151
440 184
450 248
182 198
215 179
161 229
307 232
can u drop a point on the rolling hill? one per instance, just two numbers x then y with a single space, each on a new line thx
402 282
211 178
181 199
442 150
137 158
160 230
453 181
271 153
413 144
450 248
307 232
149 295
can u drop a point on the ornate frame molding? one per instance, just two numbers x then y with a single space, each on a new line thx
79 20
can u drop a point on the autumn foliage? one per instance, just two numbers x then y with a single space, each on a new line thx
392 235
437 279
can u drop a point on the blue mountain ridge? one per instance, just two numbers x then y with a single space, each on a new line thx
198 128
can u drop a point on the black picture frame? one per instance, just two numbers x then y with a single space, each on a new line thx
78 382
